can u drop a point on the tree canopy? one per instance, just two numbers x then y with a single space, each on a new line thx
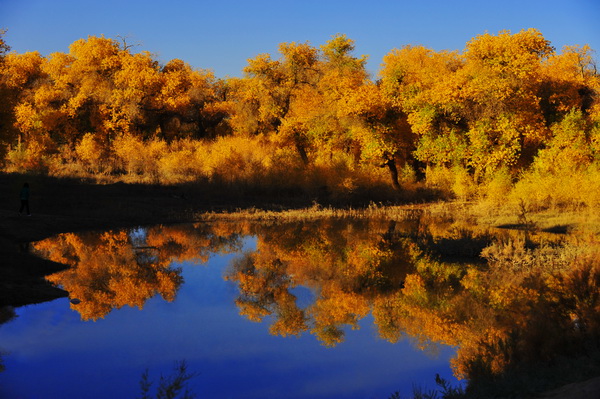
493 109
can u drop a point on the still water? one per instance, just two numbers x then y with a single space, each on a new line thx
293 310
315 309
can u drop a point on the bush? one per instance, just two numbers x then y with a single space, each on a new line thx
31 157
91 153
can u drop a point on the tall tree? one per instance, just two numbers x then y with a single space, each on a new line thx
502 75
420 87
266 95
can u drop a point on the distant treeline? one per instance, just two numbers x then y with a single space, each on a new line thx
509 117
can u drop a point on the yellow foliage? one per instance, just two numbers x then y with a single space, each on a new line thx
496 189
18 69
90 152
107 273
507 107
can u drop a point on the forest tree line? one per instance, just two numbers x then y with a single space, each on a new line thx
507 116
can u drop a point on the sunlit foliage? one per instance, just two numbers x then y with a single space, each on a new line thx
509 107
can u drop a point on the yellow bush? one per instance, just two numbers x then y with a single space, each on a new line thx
464 187
497 188
590 191
565 189
176 165
139 157
439 177
454 181
129 153
91 153
244 160
34 156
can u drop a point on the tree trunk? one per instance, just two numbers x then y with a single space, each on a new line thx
302 152
391 164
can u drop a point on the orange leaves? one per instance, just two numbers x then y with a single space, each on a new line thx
365 101
570 149
96 54
496 98
20 69
106 90
299 58
262 66
299 97
137 156
334 310
507 54
183 89
415 75
107 273
338 54
313 112
523 305
90 151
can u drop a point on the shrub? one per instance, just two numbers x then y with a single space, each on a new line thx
91 153
31 157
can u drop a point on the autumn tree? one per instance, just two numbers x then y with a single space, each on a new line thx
266 95
186 103
491 106
120 268
102 89
265 291
323 109
22 74
420 83
570 82
502 76
7 105
343 264
475 116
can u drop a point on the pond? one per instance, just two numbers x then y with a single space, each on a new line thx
314 309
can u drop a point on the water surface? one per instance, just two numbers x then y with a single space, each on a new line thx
313 309
196 281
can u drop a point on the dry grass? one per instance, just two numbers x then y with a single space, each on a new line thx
317 211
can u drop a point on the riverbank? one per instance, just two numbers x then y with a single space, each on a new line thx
60 205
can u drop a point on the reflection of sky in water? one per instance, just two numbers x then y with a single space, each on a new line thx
53 354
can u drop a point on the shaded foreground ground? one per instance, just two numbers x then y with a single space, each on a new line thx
65 205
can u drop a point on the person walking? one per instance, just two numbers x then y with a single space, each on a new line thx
24 195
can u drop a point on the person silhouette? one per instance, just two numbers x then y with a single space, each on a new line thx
24 195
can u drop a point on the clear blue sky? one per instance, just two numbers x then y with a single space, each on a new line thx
222 34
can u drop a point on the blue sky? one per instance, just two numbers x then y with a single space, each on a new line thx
222 34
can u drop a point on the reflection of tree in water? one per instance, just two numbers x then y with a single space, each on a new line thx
517 310
345 264
114 269
535 314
